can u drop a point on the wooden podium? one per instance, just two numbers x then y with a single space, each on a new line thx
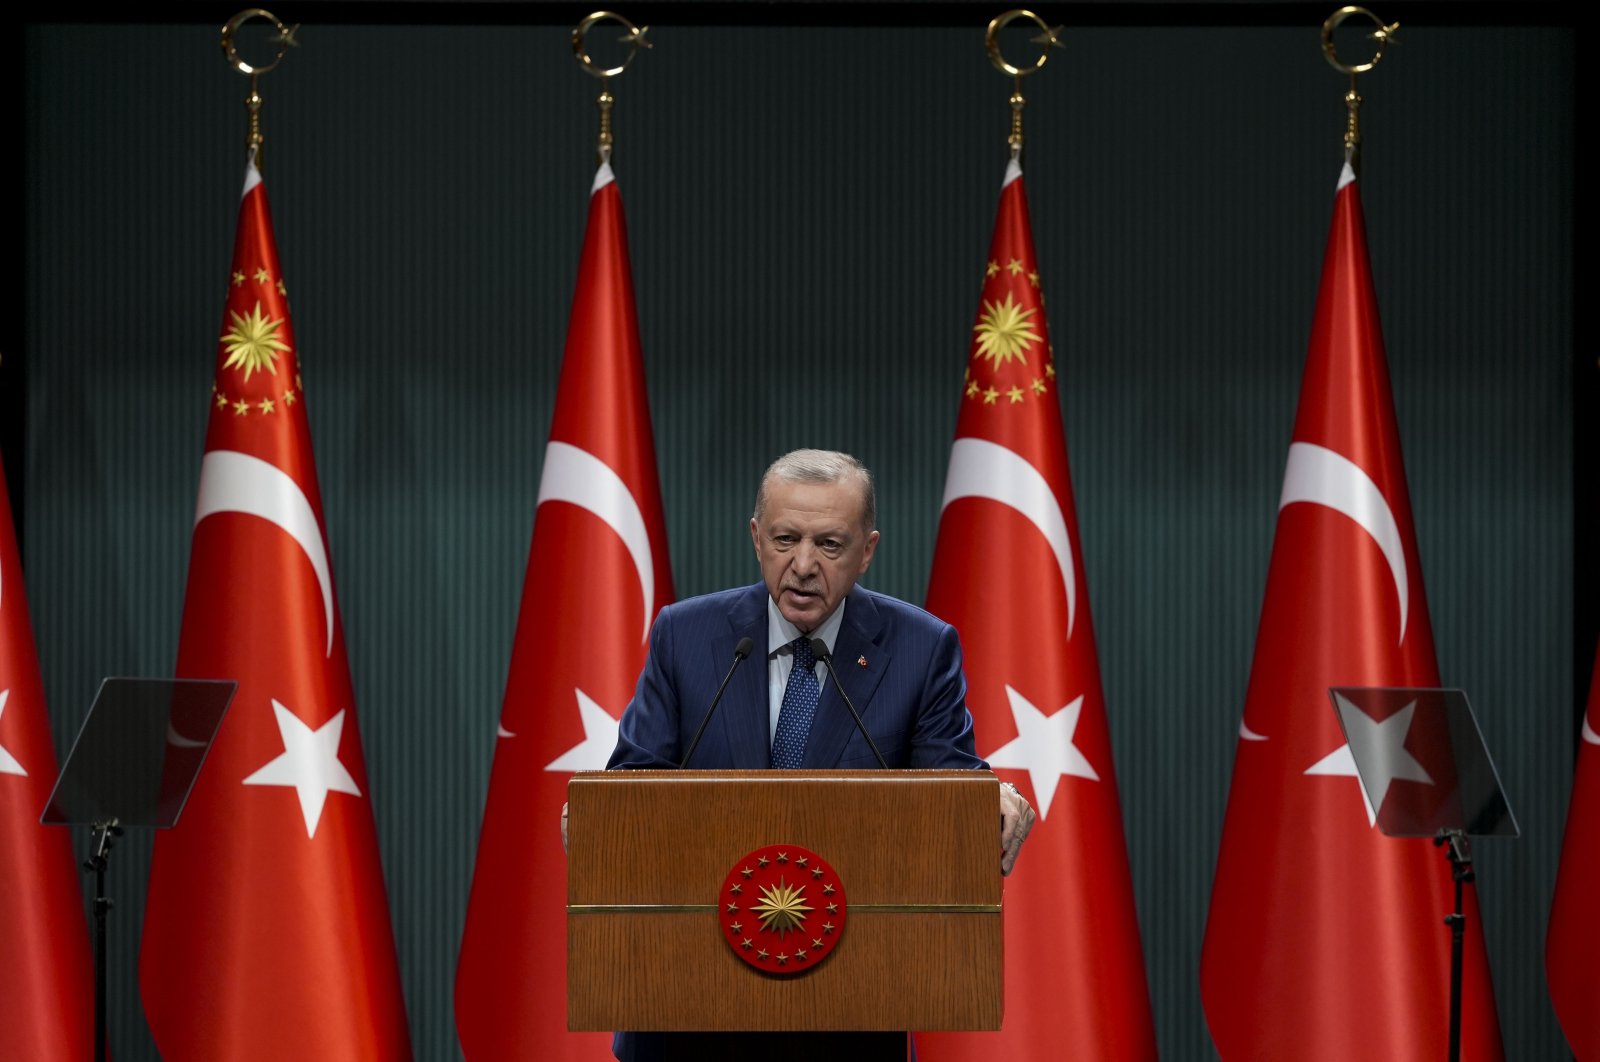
917 854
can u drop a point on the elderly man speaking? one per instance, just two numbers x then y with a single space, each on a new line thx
814 535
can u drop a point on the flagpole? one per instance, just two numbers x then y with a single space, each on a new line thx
106 831
1454 842
1371 905
1008 573
234 915
1457 848
581 634
284 38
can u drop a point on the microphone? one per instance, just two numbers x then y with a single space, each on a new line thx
740 651
819 649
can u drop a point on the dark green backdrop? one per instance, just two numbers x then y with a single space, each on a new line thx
811 191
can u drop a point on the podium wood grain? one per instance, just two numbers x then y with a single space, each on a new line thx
924 844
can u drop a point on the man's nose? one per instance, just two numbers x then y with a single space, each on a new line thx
805 559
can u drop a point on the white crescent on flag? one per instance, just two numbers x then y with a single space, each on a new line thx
232 482
9 764
582 479
983 469
1588 731
1318 475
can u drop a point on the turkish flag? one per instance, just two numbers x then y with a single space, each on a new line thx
266 932
46 981
1008 573
1326 939
598 572
1572 948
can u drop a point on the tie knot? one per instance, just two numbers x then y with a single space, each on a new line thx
803 656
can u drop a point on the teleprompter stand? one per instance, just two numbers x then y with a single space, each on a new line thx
134 763
1438 781
1459 850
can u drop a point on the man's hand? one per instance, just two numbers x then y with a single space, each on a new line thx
1016 819
564 826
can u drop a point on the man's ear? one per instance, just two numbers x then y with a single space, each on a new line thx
871 547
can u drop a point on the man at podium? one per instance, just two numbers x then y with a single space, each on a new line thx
827 651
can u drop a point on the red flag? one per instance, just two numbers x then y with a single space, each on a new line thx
267 931
1572 948
1008 573
598 572
1326 939
46 981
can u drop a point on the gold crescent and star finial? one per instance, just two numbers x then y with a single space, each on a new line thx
1049 37
284 38
1385 35
634 38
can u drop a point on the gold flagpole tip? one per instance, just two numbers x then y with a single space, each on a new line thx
1049 37
1384 35
284 38
634 38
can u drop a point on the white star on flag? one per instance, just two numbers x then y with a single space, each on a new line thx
599 739
1043 747
1382 747
8 762
309 764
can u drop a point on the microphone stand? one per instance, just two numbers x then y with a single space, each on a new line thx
819 649
740 651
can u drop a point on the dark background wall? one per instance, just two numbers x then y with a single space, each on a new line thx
811 190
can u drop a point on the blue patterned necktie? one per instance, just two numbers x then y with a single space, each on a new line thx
799 708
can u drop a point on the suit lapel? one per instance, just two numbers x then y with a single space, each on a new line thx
858 639
745 716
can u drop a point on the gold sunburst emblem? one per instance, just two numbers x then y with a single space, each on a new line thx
252 342
782 908
1005 331
757 930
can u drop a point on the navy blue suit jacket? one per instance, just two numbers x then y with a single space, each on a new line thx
900 665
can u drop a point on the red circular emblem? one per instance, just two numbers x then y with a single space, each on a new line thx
782 909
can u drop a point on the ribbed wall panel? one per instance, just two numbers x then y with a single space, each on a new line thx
809 214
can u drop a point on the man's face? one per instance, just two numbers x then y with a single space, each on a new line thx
811 546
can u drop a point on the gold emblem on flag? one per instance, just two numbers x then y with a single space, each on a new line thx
1005 331
252 342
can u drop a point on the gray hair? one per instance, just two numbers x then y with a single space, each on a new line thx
821 466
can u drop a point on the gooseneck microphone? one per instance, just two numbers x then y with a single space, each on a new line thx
819 649
740 651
